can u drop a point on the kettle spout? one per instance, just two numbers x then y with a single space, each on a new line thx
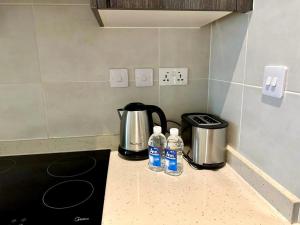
120 112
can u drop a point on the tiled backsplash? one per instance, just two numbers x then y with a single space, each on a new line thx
263 129
54 70
54 64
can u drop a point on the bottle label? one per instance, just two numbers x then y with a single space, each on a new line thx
171 160
154 156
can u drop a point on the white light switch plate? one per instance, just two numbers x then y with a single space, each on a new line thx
118 77
173 76
274 81
143 77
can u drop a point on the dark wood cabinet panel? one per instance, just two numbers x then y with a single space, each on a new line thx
201 5
94 8
205 5
102 4
193 5
134 4
244 5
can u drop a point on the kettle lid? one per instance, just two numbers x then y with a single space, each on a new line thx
135 106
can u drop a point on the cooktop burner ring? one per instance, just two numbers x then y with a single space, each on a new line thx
58 163
8 165
67 206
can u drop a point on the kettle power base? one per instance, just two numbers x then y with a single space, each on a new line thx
133 156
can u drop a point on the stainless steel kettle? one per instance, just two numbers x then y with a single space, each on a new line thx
136 128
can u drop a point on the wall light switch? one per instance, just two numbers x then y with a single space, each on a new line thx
274 81
269 80
118 77
143 77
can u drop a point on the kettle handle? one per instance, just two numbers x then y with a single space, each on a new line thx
163 120
120 113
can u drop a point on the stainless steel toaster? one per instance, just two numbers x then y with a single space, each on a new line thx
204 136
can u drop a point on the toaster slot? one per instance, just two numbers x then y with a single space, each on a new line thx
204 120
210 120
199 120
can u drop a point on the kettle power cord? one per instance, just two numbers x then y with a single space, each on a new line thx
169 121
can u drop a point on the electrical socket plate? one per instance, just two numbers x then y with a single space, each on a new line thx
173 76
144 77
118 77
274 81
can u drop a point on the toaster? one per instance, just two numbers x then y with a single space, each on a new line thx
204 136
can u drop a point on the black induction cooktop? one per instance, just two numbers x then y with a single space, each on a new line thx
53 189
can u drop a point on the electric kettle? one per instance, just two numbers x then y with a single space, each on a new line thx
136 128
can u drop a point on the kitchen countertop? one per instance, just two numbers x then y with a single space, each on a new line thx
137 196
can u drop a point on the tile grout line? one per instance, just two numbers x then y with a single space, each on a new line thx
227 82
209 66
249 85
54 137
236 83
252 86
243 87
40 73
159 58
82 81
293 93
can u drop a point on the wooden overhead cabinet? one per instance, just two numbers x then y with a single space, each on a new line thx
165 13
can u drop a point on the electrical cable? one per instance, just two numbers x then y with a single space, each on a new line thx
190 162
172 121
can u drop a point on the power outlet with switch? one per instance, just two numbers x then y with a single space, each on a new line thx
173 76
274 81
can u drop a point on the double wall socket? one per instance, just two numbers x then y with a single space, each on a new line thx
173 76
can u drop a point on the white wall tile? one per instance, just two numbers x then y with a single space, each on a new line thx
186 48
229 48
176 100
274 39
81 109
22 114
269 127
63 49
18 51
225 100
73 47
270 136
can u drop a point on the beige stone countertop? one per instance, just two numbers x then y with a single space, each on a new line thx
137 196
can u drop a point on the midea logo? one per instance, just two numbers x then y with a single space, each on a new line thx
80 219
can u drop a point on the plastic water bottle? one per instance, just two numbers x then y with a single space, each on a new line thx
173 154
156 146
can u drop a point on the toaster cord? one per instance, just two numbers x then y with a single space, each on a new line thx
169 121
190 162
195 166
